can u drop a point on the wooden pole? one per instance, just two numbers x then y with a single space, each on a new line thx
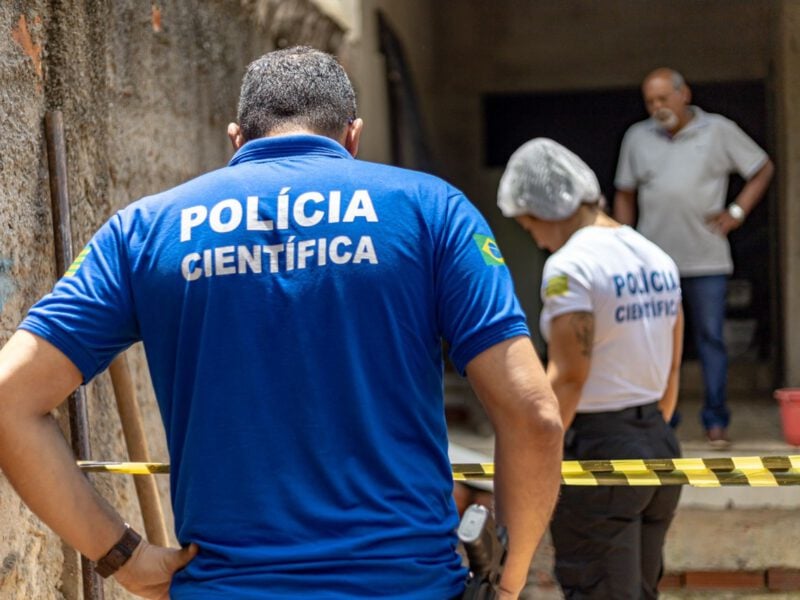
62 233
135 440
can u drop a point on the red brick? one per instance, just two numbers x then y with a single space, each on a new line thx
725 580
671 581
783 580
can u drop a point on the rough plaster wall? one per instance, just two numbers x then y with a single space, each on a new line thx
146 90
26 546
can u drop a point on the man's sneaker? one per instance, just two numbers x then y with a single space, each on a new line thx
717 438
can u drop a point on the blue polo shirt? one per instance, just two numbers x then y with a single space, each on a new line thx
292 307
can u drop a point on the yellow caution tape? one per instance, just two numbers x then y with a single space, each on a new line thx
127 468
754 471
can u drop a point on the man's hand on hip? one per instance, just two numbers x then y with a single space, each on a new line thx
722 223
149 571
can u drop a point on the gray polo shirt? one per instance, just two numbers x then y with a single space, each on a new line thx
681 180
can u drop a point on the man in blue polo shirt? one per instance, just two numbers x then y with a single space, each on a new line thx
292 307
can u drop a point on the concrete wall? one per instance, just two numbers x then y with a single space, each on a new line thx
525 46
146 94
788 91
413 21
528 46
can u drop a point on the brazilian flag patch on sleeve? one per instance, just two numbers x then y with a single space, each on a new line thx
556 286
489 250
76 264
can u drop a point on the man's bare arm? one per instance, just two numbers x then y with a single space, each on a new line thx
509 380
570 357
625 207
751 194
755 188
35 377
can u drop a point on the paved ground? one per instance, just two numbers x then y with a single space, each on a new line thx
729 528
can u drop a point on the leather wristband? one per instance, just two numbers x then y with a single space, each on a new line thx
119 553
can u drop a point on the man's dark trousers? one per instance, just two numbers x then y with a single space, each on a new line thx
609 539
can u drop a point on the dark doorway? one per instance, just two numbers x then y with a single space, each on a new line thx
592 123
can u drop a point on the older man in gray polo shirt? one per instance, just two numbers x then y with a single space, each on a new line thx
673 171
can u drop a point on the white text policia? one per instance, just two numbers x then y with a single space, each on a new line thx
306 210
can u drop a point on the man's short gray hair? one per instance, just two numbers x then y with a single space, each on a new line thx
295 87
677 79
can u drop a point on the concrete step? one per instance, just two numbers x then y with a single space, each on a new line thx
736 540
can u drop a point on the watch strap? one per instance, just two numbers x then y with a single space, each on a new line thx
119 553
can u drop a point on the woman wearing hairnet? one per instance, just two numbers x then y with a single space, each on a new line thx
613 322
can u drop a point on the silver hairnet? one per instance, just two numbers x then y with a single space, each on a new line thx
545 180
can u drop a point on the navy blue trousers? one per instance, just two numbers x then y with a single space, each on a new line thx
704 305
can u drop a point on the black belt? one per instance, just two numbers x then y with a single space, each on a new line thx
640 411
612 421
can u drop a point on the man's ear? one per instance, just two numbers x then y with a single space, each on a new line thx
235 136
686 93
353 136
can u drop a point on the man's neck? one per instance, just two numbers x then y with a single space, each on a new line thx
297 130
685 118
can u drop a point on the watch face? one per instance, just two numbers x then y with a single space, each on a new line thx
736 212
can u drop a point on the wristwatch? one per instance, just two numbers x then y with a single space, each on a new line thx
736 211
119 553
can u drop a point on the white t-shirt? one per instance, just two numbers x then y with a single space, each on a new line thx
632 288
681 180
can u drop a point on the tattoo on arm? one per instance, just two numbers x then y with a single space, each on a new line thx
583 325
